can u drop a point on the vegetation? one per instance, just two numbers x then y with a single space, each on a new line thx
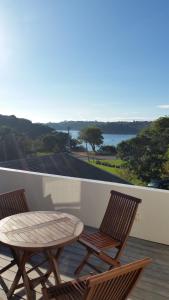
41 154
13 144
116 167
115 163
142 158
91 135
55 142
21 138
148 154
106 127
24 126
75 145
108 150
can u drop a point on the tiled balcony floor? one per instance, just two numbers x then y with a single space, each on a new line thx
154 284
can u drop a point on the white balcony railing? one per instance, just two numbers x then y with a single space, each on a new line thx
88 199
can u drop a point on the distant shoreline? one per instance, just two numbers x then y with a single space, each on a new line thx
76 130
117 128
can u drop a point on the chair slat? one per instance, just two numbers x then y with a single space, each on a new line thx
12 203
115 284
119 215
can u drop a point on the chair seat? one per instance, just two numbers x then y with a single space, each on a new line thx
99 240
73 290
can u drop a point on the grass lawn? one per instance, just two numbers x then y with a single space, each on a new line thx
116 171
117 162
123 173
40 154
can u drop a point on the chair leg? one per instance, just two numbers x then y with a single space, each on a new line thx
45 293
83 262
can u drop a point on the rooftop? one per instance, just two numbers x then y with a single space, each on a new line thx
153 284
62 164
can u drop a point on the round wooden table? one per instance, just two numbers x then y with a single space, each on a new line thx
32 232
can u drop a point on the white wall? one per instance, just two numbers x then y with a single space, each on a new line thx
88 199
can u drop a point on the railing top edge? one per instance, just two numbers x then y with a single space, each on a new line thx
114 184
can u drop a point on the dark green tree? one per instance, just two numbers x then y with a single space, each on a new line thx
74 144
49 142
91 135
12 144
146 154
108 149
55 142
166 165
61 141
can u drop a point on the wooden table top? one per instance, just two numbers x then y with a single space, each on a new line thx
40 230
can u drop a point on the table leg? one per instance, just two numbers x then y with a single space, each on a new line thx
26 281
21 261
53 261
21 258
18 275
58 253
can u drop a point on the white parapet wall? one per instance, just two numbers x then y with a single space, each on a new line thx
88 200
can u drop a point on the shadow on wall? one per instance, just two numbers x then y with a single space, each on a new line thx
86 199
44 192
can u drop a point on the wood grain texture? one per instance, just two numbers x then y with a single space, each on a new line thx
39 230
32 232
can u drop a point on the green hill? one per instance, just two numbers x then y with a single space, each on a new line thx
24 126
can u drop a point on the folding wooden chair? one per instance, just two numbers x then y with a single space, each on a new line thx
113 232
11 203
115 284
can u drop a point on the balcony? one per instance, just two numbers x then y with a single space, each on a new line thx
88 200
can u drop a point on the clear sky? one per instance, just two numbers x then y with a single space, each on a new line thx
84 59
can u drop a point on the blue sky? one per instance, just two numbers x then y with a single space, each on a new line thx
84 59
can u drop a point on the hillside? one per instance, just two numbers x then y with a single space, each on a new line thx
24 126
106 127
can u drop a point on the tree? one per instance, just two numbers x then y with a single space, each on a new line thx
146 154
49 142
74 144
166 165
12 144
93 136
61 141
55 142
108 149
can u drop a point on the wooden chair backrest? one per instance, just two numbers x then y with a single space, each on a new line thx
115 284
119 215
13 202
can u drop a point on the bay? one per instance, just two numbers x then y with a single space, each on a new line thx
109 139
